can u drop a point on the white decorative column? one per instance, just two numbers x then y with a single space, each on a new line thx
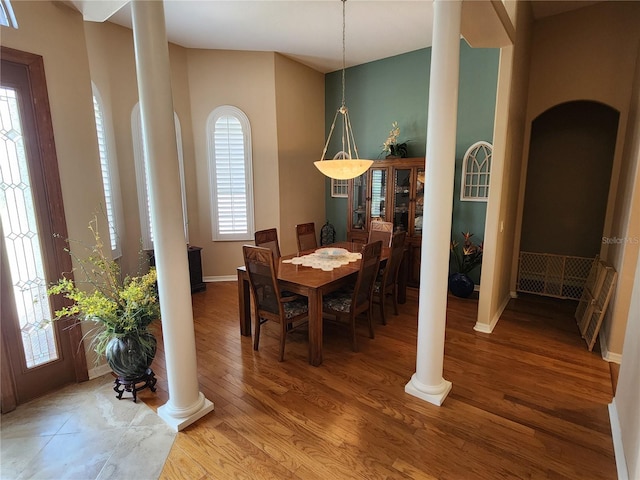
186 403
427 383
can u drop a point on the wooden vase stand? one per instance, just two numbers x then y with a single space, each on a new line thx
134 385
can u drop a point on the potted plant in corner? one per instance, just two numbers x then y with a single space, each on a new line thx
466 257
121 310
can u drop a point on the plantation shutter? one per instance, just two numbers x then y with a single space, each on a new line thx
109 198
230 178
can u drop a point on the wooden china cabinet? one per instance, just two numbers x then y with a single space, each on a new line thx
391 190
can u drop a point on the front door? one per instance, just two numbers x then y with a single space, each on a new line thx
38 355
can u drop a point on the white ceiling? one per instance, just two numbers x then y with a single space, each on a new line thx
310 31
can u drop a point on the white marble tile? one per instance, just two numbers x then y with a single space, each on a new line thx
83 432
30 422
140 454
17 453
74 456
101 409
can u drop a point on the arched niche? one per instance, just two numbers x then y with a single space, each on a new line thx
568 176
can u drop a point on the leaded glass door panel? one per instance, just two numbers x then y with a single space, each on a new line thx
41 355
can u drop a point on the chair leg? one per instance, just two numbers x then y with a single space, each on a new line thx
256 339
283 335
370 320
394 294
382 299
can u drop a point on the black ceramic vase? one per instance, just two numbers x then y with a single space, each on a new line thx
460 285
130 356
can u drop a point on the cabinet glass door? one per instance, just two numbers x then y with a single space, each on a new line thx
417 221
359 202
378 193
402 193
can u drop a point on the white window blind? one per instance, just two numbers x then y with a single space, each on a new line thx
229 139
108 177
377 185
476 170
144 193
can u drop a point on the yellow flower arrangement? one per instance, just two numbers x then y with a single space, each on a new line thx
118 307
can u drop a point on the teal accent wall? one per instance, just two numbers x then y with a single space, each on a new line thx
397 89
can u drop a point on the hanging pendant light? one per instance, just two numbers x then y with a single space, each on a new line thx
349 166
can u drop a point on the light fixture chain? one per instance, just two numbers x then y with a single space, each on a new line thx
326 145
348 167
344 3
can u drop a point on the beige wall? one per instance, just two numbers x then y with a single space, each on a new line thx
501 223
113 71
625 226
300 118
202 75
56 33
246 81
588 54
627 396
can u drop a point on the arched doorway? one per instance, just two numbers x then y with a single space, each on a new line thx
567 187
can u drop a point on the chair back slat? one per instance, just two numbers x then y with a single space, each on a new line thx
380 230
363 291
260 266
268 238
306 236
391 270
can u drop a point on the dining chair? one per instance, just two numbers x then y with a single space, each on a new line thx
387 283
290 312
380 230
268 238
306 236
346 305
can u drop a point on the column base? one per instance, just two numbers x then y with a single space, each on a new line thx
180 422
434 395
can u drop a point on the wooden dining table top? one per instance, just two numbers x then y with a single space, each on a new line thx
315 277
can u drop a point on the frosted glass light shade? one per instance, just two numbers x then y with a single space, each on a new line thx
343 169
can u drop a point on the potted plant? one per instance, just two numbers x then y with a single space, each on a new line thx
121 310
466 257
391 147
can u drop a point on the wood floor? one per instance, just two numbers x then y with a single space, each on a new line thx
528 401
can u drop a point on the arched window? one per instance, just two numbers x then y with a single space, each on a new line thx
476 168
139 155
109 169
231 177
7 17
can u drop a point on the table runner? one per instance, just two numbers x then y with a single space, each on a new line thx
324 262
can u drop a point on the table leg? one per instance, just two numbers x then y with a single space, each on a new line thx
244 304
315 327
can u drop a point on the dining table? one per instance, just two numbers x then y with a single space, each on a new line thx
310 282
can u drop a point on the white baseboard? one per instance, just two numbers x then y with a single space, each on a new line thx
222 278
513 294
99 371
604 351
484 328
616 435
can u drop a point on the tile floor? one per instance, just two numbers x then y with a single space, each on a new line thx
83 432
